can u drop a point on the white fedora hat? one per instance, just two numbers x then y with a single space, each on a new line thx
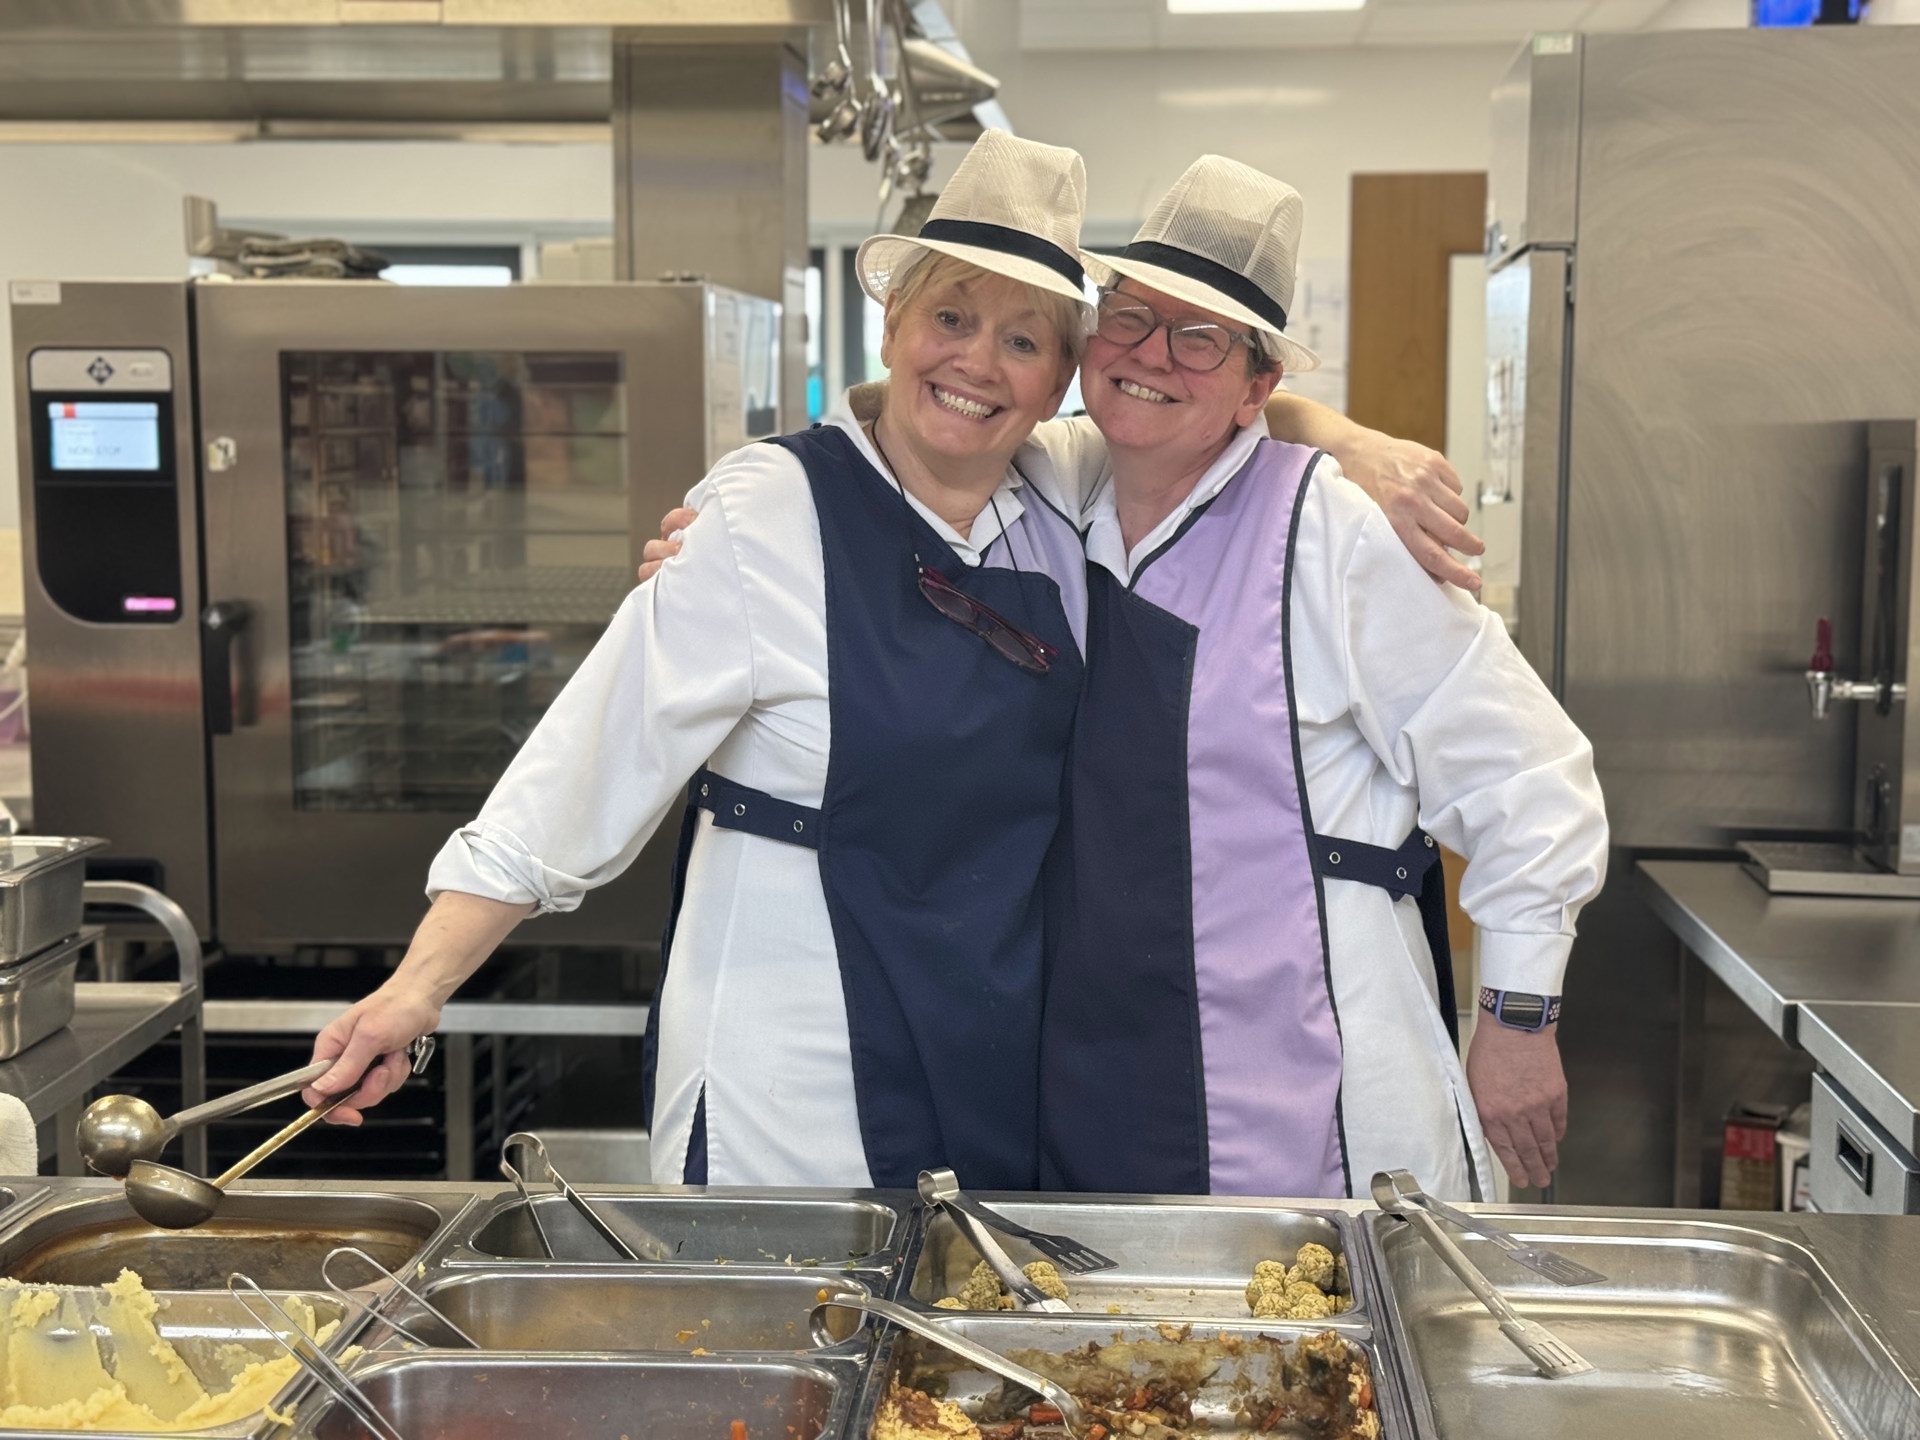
1013 207
1225 238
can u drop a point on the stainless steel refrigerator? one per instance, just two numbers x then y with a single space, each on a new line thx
1705 283
307 560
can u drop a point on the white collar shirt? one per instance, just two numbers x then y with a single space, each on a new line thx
1107 547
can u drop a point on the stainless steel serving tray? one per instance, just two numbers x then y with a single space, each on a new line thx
1183 1260
1703 1330
855 1231
36 995
1219 1408
86 1234
41 880
596 1308
506 1396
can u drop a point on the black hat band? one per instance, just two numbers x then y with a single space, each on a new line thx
1007 241
1209 272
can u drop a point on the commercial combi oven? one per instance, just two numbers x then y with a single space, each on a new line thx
307 560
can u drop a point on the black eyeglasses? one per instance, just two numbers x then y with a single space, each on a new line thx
1008 640
1202 347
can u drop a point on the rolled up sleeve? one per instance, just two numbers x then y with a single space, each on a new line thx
1504 777
667 682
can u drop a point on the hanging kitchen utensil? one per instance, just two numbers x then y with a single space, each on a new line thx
991 1361
174 1200
1551 1355
942 1187
937 1187
1537 1258
297 1343
353 1300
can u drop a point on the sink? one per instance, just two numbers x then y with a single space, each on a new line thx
1172 1260
1701 1329
508 1397
279 1239
699 1230
597 1309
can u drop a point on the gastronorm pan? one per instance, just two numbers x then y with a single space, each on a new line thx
1702 1330
36 995
716 1228
42 880
1225 1406
505 1396
1174 1260
277 1237
592 1308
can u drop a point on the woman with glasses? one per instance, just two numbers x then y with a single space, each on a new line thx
1282 715
866 661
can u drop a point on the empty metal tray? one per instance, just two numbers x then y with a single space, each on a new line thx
585 1397
37 996
1174 1260
1701 1330
277 1238
576 1308
712 1229
41 880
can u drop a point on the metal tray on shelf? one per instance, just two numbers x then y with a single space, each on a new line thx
1234 1400
41 879
812 1232
1184 1260
576 1308
1702 1329
505 1396
37 996
87 1234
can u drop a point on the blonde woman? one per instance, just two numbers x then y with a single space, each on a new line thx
866 660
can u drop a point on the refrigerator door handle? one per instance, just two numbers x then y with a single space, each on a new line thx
220 625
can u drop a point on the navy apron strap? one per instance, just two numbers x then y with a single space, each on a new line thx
1413 869
741 807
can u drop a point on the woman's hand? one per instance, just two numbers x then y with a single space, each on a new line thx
1521 1094
1421 496
369 1041
658 552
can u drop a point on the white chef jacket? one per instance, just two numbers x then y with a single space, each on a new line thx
721 658
1412 705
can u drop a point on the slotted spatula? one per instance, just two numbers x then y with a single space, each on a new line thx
1551 1355
1537 1258
942 1187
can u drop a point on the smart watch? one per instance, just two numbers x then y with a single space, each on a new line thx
1518 1010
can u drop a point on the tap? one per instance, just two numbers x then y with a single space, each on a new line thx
1823 687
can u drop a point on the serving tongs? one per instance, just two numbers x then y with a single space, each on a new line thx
528 1141
992 1361
1537 1258
347 1295
942 1187
937 1187
312 1359
1551 1355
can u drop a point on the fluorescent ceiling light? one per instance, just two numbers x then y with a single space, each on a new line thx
1257 7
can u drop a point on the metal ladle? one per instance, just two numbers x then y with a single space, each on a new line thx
174 1200
117 1130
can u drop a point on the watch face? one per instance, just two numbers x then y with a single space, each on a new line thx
1524 1012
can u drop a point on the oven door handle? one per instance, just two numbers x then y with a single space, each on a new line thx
220 625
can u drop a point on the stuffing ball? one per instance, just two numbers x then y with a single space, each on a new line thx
1342 1281
1266 1285
982 1290
1269 1303
1046 1279
1270 1270
1308 1304
949 1302
1315 1265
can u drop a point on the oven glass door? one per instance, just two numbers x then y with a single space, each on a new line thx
429 505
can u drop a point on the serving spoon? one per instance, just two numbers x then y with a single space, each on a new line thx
174 1200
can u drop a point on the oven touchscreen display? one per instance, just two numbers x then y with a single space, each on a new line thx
105 435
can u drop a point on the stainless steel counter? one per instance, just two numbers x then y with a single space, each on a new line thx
1873 1053
1781 952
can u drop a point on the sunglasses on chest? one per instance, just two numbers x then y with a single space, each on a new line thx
1008 640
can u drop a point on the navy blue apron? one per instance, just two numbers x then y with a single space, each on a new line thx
943 795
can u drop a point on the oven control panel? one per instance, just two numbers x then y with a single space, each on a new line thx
105 491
